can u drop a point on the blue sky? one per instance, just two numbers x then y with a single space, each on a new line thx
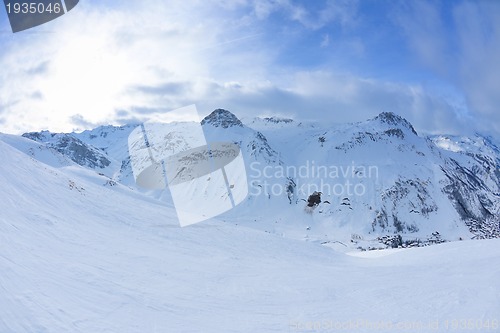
433 62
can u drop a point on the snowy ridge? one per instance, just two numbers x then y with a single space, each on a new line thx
394 120
68 145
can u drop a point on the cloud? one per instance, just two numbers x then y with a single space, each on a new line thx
460 42
342 12
340 98
165 89
126 63
429 112
422 23
80 122
39 69
325 41
99 55
314 16
478 30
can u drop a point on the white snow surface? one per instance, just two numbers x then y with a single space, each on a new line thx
79 256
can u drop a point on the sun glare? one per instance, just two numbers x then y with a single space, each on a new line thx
86 77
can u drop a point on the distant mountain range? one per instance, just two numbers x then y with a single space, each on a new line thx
382 183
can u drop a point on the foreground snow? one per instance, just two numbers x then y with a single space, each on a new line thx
77 256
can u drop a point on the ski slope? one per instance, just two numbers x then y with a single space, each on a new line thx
77 255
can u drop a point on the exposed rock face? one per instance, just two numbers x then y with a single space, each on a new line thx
78 151
222 118
394 120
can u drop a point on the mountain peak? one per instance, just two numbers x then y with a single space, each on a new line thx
391 118
222 118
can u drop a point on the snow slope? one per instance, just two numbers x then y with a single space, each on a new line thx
77 255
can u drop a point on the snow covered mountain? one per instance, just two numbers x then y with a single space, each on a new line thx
81 254
68 145
382 184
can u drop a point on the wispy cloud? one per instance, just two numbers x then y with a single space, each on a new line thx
325 41
311 15
478 27
460 42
